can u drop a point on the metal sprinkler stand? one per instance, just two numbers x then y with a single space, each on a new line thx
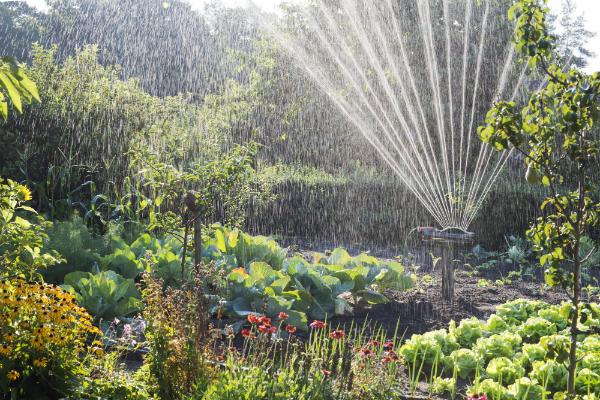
446 242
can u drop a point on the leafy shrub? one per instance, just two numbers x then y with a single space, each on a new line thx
261 279
238 249
43 337
106 294
78 246
21 241
110 379
178 336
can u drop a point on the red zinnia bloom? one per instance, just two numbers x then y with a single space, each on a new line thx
326 372
366 352
247 333
389 345
290 329
253 319
267 329
390 356
337 334
265 320
318 324
283 316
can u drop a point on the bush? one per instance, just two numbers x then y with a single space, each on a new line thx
80 248
106 294
21 241
177 332
44 336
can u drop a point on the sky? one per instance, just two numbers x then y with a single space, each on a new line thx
590 8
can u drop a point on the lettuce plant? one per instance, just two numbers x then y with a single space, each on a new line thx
467 332
428 347
550 374
518 311
466 362
587 381
534 328
504 370
492 389
526 389
503 344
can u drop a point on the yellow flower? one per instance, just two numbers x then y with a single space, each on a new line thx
40 362
9 337
5 350
12 375
24 193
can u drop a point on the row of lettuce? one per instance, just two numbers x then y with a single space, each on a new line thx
519 353
257 274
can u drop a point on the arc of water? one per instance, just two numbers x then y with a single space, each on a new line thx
468 11
446 9
361 34
386 127
350 67
431 62
415 93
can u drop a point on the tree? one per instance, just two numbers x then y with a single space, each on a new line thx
573 36
554 132
15 86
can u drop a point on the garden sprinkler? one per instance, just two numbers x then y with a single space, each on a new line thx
445 242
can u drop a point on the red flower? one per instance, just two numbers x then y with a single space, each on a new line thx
374 343
253 319
389 345
283 316
326 372
265 320
337 334
247 333
366 352
318 324
390 356
291 329
477 397
267 329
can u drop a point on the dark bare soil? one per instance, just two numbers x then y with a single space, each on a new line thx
422 309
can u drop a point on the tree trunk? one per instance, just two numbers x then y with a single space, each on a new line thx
576 287
197 241
448 273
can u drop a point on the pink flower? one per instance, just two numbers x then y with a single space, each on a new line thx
318 324
477 397
337 334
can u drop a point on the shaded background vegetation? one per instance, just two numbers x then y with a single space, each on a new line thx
189 85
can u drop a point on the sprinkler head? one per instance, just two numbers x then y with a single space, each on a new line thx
449 234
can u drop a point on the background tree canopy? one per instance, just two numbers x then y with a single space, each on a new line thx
189 85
